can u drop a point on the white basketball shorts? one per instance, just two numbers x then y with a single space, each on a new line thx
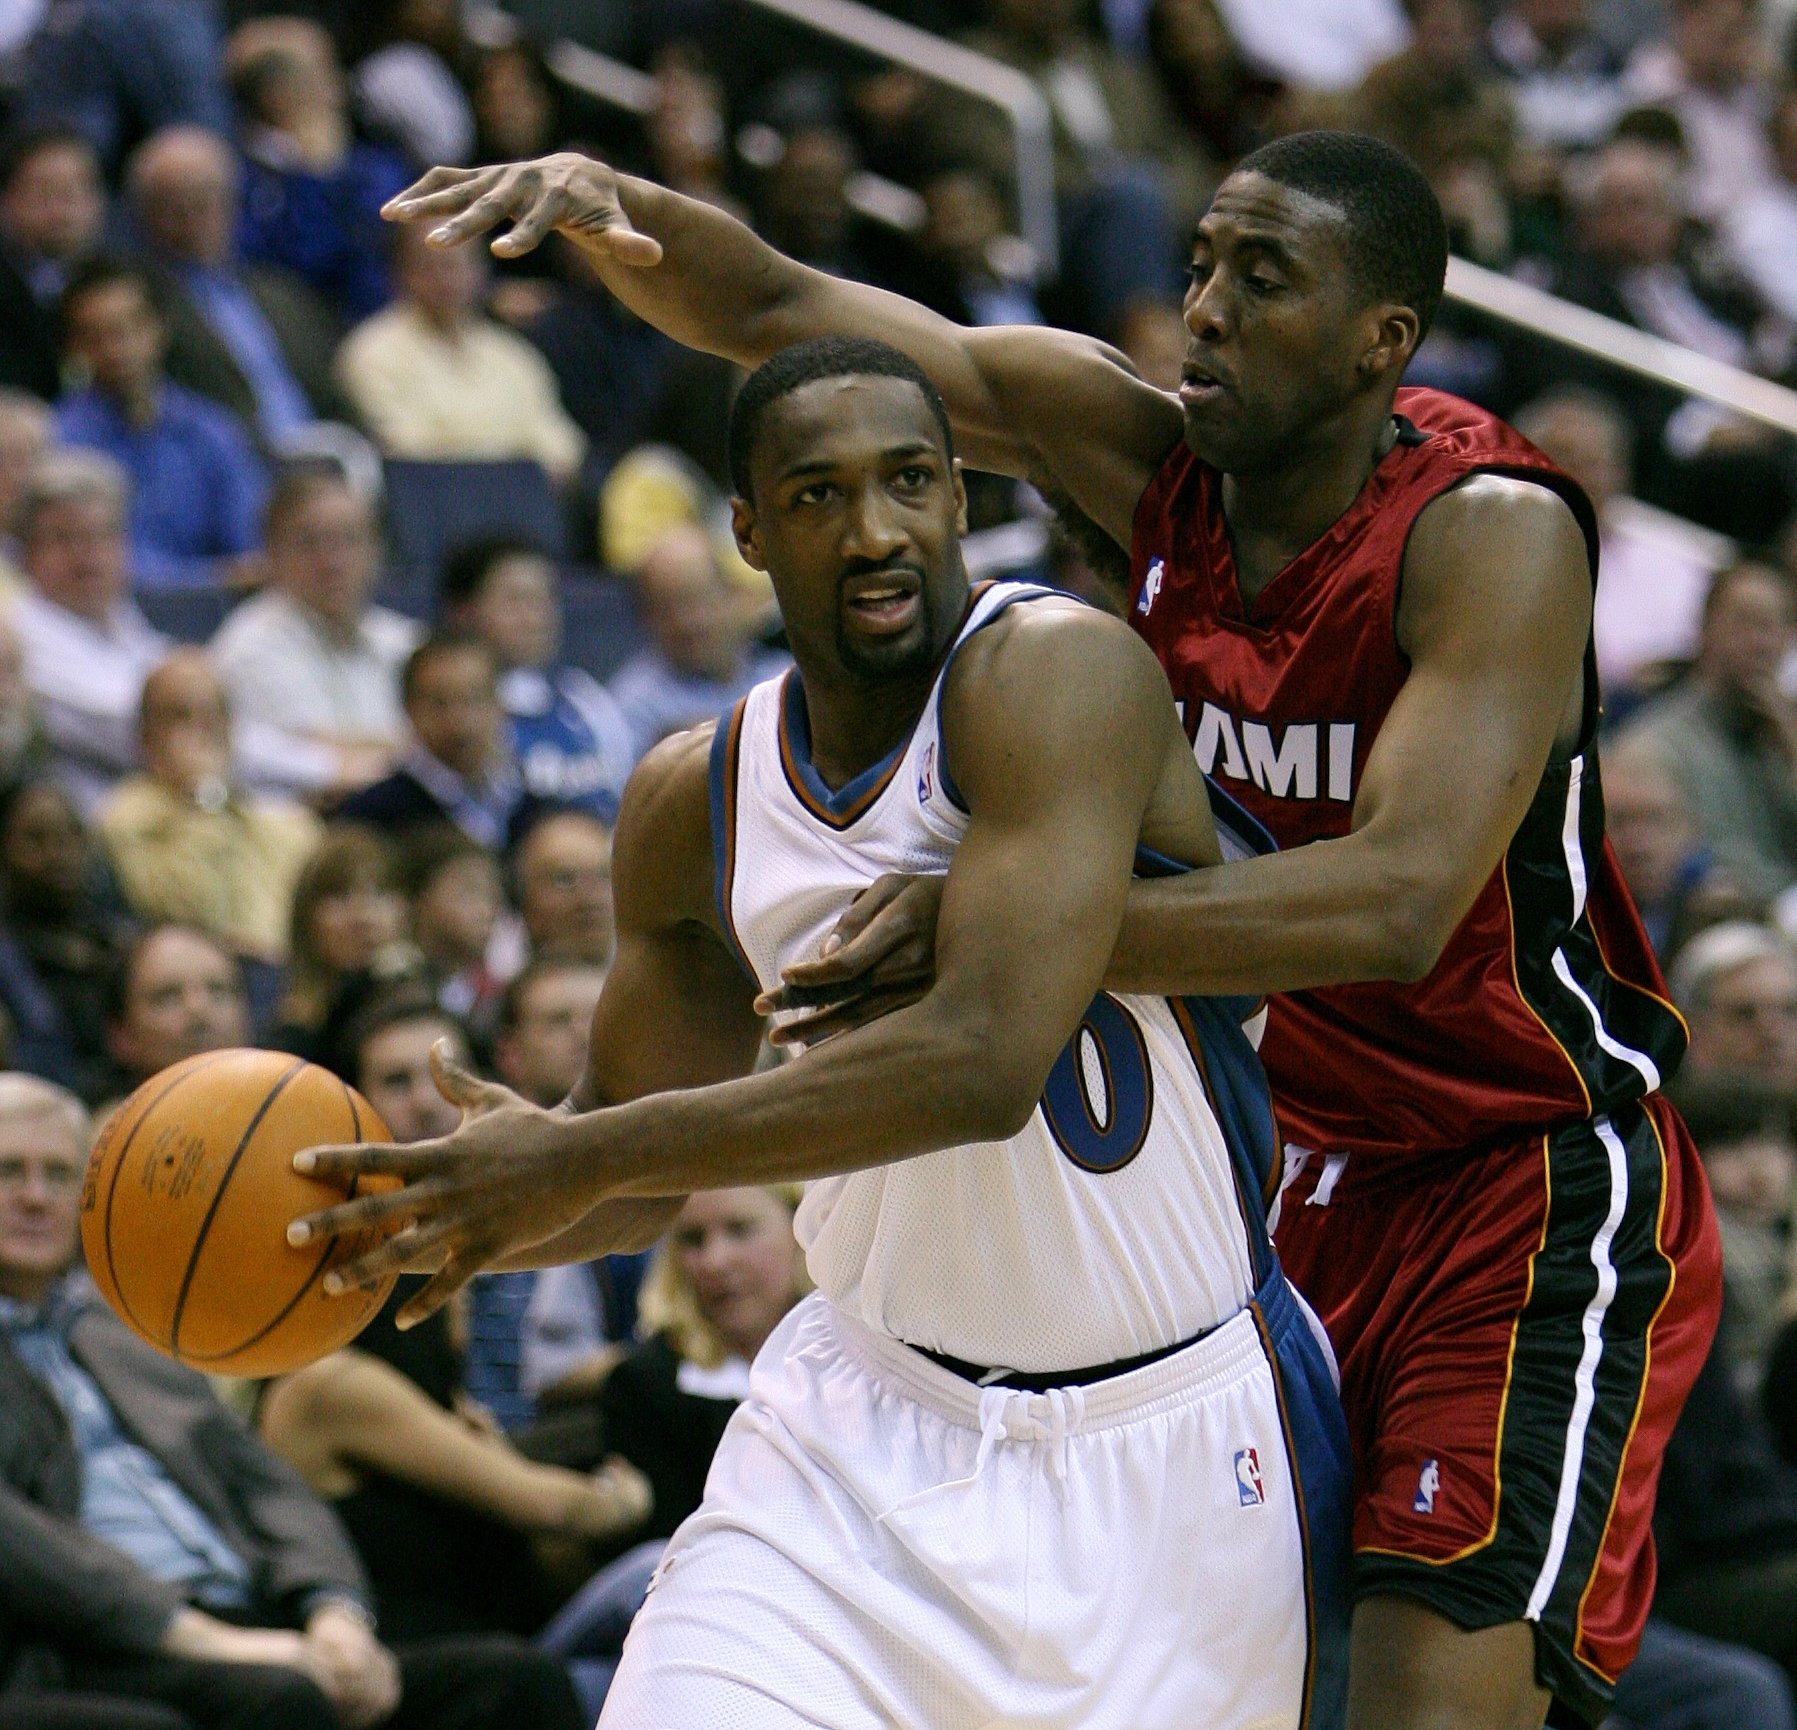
885 1546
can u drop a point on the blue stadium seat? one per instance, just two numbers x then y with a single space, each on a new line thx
187 615
434 507
599 629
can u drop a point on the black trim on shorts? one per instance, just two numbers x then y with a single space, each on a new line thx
1496 1582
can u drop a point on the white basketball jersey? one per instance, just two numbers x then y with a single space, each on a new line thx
1121 1219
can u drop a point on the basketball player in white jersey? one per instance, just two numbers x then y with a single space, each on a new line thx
1053 1444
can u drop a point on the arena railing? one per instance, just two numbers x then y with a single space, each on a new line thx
873 33
1621 345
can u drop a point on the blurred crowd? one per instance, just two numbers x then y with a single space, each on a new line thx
344 579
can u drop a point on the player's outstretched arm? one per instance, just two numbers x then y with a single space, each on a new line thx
1030 916
1024 400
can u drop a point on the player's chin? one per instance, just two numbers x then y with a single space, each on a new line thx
880 651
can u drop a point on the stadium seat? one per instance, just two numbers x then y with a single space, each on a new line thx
434 507
187 615
599 625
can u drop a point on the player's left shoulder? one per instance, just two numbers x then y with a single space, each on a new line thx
1045 636
1495 517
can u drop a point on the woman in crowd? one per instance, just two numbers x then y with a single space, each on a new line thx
348 919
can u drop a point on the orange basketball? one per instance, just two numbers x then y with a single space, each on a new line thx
184 1212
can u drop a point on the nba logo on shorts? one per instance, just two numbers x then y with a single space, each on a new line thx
1426 1486
1248 1486
1151 587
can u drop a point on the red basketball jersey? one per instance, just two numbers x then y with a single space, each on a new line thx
1546 1004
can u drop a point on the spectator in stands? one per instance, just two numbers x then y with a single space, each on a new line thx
1565 79
1656 568
972 271
52 215
563 868
1218 95
408 88
546 1338
456 895
571 740
1760 227
255 339
726 1273
458 767
442 1509
1316 44
1633 263
197 484
62 936
87 647
1744 1132
1736 985
1439 100
702 654
1673 882
311 657
1681 1681
24 751
433 377
25 435
1728 734
1710 71
154 1549
348 920
312 190
187 841
115 70
1725 1522
178 992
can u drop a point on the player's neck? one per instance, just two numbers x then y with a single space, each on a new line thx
1274 514
853 727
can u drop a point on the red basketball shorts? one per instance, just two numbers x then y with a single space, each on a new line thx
1517 1331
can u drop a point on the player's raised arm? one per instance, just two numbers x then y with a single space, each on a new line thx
1024 400
1030 915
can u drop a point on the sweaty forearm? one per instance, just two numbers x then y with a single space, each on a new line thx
1334 913
913 1083
719 287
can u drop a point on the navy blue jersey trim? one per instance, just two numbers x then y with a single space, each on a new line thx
726 751
1237 820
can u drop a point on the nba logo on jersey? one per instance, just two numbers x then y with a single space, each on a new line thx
1426 1486
926 776
1151 587
1248 1487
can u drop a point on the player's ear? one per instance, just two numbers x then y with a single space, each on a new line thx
960 480
747 530
1395 337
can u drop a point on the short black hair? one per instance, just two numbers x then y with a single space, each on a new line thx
468 565
103 272
1397 239
807 362
529 977
435 647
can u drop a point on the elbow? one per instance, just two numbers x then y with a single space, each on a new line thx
1411 929
989 1091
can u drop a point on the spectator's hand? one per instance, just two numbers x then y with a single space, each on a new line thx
571 193
880 957
521 303
194 1634
618 1500
477 1417
358 1674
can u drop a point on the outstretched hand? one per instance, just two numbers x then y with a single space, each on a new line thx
502 1182
575 194
880 956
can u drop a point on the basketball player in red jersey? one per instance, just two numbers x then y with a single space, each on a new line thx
1374 607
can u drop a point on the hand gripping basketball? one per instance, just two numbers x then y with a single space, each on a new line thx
575 194
503 1181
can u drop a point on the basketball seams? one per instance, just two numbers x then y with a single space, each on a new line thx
318 1266
199 1242
193 1067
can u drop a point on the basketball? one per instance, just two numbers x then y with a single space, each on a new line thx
186 1203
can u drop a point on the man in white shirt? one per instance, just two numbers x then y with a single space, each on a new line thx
433 377
310 660
1761 230
87 647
